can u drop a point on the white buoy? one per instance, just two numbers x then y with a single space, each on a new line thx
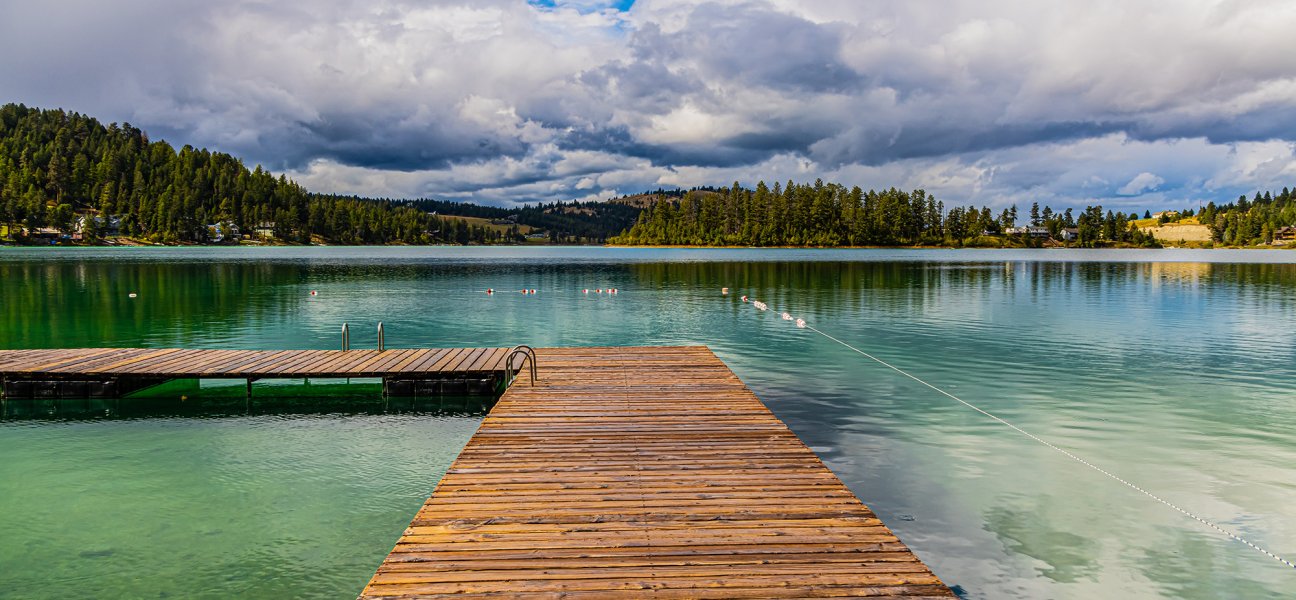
131 295
724 291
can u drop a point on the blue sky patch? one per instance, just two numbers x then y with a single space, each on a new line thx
583 6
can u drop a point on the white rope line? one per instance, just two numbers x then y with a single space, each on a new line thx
803 325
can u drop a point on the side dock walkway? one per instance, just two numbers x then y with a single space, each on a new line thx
648 473
116 372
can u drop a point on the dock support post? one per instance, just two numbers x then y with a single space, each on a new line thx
249 389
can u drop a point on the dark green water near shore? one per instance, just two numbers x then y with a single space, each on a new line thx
1173 369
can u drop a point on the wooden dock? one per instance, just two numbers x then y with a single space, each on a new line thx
647 473
111 372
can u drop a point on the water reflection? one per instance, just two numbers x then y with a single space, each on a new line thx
1063 556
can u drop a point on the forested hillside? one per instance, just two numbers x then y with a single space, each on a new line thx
568 222
54 164
1251 222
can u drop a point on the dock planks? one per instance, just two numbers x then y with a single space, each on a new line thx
178 363
647 473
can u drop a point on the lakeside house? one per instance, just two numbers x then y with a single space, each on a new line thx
222 231
264 230
1287 233
1069 234
46 233
109 226
1032 231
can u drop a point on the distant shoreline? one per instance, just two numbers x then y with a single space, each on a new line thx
131 243
946 247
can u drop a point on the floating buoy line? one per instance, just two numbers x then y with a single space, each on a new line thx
533 291
801 324
524 291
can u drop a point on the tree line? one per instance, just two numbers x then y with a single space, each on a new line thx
829 214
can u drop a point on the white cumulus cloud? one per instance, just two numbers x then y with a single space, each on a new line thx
1141 183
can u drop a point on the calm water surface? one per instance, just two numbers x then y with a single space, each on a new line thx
1173 369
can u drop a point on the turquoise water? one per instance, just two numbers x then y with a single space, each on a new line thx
1173 369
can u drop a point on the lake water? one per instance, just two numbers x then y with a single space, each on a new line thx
1173 369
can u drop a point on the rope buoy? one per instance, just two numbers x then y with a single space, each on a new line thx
314 293
490 292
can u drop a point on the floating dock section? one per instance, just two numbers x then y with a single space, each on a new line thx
646 473
114 372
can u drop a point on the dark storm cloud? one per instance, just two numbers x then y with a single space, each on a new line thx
739 150
934 139
1253 126
378 143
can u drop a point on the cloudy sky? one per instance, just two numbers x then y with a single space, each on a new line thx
1129 103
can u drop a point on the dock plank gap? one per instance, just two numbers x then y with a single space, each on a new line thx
645 473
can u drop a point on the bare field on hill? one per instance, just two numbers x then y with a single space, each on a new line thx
1173 232
524 229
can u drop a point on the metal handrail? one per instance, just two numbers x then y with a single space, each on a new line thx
381 340
530 355
346 337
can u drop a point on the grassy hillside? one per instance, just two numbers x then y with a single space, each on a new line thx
486 223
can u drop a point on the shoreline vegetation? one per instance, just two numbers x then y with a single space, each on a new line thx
67 179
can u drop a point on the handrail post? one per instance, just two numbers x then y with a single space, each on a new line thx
381 341
529 354
346 337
